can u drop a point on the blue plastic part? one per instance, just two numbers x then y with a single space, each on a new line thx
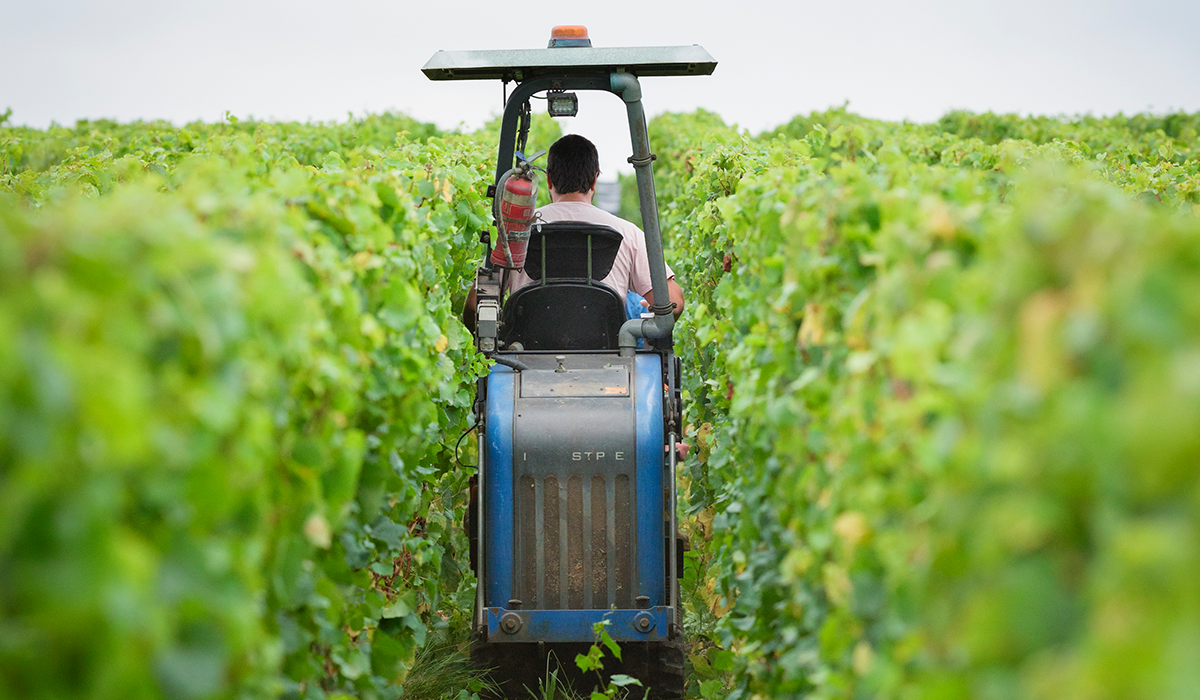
576 625
498 488
633 305
634 309
649 421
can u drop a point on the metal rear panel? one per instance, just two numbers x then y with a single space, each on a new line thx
595 570
548 550
585 468
574 468
576 464
582 558
595 381
523 64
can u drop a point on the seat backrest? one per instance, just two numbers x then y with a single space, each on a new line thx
566 307
560 250
563 316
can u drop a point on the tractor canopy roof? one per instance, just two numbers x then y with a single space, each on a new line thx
572 57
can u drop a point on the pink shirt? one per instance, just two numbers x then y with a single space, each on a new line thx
630 271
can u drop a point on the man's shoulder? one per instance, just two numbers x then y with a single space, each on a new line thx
579 211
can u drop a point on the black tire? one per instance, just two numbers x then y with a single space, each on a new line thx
517 669
514 669
659 666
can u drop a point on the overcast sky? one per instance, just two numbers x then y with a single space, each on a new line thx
319 59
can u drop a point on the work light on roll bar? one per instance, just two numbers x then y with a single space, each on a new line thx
562 104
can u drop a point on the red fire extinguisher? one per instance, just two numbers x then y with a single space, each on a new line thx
513 209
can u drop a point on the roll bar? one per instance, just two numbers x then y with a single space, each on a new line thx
627 87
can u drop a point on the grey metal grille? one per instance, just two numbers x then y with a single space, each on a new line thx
575 541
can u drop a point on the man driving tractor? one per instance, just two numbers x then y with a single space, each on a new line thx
571 174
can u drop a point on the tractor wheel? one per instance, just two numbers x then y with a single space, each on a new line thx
659 666
514 669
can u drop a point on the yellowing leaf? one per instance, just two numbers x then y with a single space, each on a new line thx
939 220
812 328
316 529
705 517
863 658
795 564
369 327
837 584
1042 356
852 528
704 442
442 343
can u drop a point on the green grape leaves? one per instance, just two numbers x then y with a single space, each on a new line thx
233 376
917 362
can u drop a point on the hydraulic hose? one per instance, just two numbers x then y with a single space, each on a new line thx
499 189
509 362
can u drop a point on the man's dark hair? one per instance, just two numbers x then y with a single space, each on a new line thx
574 164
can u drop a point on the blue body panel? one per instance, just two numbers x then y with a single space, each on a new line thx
649 421
576 625
498 485
500 529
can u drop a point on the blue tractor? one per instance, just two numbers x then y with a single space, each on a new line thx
572 519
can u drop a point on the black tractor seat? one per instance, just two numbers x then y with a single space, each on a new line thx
566 307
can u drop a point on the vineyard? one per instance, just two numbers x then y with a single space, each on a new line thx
942 386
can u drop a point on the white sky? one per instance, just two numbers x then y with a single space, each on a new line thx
319 60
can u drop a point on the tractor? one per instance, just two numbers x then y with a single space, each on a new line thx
572 516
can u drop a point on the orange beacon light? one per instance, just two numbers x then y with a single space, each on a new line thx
568 36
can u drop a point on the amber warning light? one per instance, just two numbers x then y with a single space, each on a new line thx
567 36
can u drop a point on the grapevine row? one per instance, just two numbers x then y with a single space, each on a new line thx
231 378
943 399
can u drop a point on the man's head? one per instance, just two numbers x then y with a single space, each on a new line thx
574 165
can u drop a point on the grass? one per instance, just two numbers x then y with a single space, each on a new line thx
441 670
551 688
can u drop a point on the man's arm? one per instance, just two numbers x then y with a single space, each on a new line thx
673 292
